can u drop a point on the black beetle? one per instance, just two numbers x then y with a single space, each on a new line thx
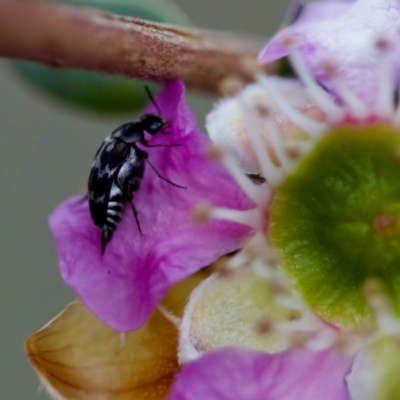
118 169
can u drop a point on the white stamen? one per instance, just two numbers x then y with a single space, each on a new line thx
396 117
384 103
319 95
388 324
268 273
251 218
313 128
384 106
263 271
277 145
269 171
169 316
122 340
260 194
354 104
323 340
300 325
237 261
290 302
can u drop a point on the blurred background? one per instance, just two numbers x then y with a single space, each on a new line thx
46 150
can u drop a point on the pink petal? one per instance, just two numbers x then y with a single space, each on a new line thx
238 374
123 286
345 34
311 14
324 9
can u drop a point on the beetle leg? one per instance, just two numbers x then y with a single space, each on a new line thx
163 145
135 213
129 198
105 238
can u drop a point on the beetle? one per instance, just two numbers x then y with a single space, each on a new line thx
118 169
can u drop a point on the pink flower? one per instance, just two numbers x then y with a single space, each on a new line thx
124 285
326 145
342 43
237 374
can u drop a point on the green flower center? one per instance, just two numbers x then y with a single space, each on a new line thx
335 221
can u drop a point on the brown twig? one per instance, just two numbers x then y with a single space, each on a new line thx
69 37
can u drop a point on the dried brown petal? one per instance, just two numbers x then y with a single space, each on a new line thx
81 358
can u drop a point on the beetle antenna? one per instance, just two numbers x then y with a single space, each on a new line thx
146 88
163 177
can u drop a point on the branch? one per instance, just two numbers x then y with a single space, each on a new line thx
63 36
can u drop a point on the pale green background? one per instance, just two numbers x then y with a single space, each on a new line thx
45 155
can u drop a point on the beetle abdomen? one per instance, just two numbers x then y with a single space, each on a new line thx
115 207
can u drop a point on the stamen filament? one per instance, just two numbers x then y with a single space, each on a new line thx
169 316
258 193
270 172
384 104
323 341
355 105
263 271
396 117
388 324
313 128
277 145
319 95
290 302
122 340
237 261
251 218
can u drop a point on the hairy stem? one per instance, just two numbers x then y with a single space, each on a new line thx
63 36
